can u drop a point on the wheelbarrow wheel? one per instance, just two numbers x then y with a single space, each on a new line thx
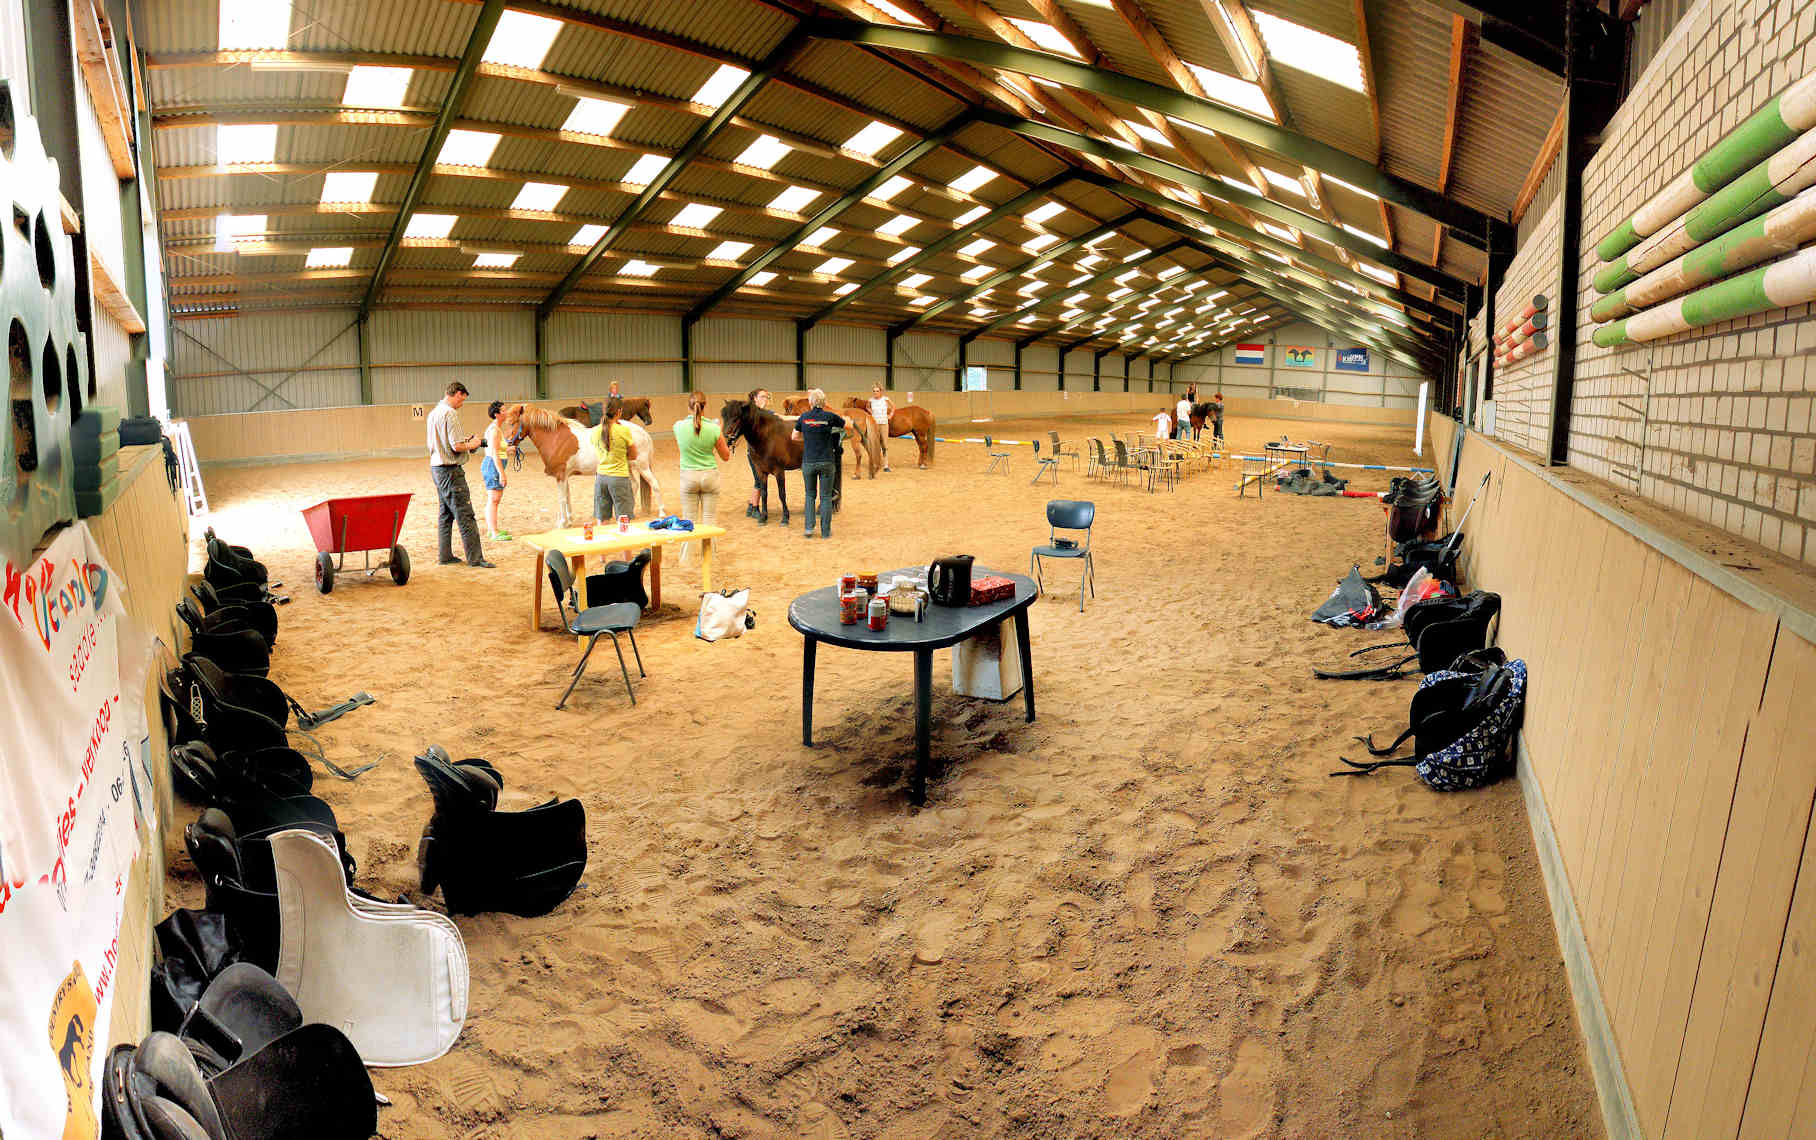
324 573
400 565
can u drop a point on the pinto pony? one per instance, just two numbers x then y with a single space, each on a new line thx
910 419
566 447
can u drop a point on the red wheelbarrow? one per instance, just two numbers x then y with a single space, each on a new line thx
364 523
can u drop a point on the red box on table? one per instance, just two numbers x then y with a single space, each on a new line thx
990 589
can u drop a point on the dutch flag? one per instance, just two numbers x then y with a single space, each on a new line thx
1251 354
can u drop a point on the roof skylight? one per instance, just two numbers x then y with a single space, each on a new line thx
762 278
1040 214
1032 288
1281 181
636 268
349 186
586 235
1232 92
890 188
644 171
923 302
543 196
833 266
729 251
915 280
1170 272
903 254
969 216
1118 294
1365 235
971 179
1305 49
695 216
369 86
898 225
1350 186
794 199
1383 276
718 89
872 138
495 260
1088 260
981 245
468 148
434 226
1046 36
822 235
231 229
595 116
1068 314
848 287
245 142
895 13
1147 132
251 25
329 257
977 271
1280 232
764 153
521 40
1039 243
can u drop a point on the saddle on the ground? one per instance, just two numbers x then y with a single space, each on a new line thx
194 947
231 637
1412 507
1437 555
237 712
230 565
1462 723
203 777
1438 631
239 872
524 862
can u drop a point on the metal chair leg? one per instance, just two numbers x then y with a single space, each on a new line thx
623 670
636 653
578 670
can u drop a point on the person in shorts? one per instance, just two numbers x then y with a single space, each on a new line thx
492 467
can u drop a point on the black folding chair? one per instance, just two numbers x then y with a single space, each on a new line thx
592 622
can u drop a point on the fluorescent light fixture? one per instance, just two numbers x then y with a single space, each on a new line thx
231 229
981 245
1040 214
977 271
822 235
1270 254
890 189
543 196
729 251
521 40
872 138
348 186
1383 276
636 268
794 199
923 302
1305 49
468 148
595 116
763 153
329 257
245 142
644 170
1281 181
369 86
762 278
720 86
848 287
1232 92
1365 235
1039 243
1046 36
586 235
903 254
898 225
695 216
896 14
971 179
969 216
833 266
915 280
495 260
1147 132
435 226
250 25
1280 232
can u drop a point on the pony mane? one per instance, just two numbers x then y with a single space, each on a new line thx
541 419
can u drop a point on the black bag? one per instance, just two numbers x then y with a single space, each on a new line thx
1462 724
1437 555
1438 631
136 431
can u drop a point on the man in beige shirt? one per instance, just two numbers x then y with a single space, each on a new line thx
448 450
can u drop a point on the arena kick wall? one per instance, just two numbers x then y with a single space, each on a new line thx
1668 762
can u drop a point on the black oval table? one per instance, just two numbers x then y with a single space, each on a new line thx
816 616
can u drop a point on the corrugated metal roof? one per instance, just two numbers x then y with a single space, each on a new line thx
1508 106
1410 44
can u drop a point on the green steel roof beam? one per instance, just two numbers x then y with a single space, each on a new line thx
703 134
477 41
1272 282
1095 280
990 54
1224 191
951 241
851 198
978 290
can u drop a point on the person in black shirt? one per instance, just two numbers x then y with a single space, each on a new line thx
819 432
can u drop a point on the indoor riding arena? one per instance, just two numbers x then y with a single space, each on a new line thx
1220 569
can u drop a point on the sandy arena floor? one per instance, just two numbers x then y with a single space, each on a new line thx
1150 913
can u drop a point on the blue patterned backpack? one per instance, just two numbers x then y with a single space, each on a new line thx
1463 721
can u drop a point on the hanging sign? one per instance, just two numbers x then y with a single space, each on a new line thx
1352 360
1299 355
68 833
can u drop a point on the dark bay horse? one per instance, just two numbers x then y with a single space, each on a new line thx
772 451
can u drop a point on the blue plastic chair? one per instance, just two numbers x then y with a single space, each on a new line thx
1067 514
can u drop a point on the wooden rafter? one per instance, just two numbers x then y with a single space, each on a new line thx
106 87
1461 33
1368 72
1163 54
1541 166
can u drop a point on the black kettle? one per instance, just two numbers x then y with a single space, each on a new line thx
949 580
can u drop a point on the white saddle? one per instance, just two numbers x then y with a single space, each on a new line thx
391 976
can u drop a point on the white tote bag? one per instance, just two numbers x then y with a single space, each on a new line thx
722 615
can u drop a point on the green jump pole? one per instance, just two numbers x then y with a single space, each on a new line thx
1772 183
1787 281
1769 129
1779 232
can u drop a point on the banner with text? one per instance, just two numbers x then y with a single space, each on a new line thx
1352 360
68 834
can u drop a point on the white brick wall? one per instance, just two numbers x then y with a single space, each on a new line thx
1522 391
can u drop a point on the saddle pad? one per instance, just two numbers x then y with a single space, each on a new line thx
392 978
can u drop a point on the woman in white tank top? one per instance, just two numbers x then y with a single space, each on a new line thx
880 411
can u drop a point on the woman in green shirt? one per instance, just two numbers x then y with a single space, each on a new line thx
612 487
702 446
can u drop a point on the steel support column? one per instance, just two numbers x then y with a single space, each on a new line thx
542 356
958 367
687 355
1097 369
1018 367
800 356
364 334
889 336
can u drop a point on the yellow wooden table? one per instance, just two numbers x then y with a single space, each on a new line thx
606 540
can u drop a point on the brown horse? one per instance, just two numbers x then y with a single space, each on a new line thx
909 419
635 408
772 451
866 438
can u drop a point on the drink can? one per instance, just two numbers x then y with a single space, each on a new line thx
587 531
847 583
624 524
878 615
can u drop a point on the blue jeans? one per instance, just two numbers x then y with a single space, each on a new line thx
816 478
